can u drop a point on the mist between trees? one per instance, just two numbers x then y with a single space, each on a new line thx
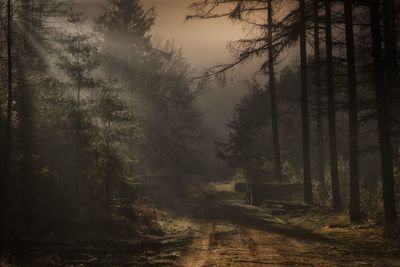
85 113
328 118
88 114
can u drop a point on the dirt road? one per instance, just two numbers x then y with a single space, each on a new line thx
227 232
210 225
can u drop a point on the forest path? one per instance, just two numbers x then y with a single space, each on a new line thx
231 233
211 225
228 232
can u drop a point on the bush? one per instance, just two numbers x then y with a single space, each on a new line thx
371 202
290 173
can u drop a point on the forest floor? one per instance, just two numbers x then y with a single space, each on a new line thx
227 232
210 225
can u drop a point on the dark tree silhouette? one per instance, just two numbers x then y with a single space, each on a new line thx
336 197
318 89
272 90
284 33
8 125
308 197
355 215
383 115
391 66
78 62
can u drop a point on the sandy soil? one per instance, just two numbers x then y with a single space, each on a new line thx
210 225
227 232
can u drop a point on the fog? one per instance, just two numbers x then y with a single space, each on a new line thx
194 133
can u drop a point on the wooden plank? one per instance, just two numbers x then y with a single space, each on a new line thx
259 193
241 187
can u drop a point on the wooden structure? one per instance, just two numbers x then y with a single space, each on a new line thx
257 194
241 187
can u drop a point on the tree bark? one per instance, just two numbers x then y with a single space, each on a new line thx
319 115
396 155
308 197
78 130
389 19
355 214
26 171
391 64
337 202
7 134
272 90
390 213
24 107
77 152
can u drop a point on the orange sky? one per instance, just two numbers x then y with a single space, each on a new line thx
203 42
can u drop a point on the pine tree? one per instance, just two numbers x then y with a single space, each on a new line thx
383 115
355 214
308 197
79 61
337 202
318 88
273 98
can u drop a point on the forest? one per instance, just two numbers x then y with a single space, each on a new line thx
116 150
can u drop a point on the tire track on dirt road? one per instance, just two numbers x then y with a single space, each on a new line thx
197 253
225 244
227 232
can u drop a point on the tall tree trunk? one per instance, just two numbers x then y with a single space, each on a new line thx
389 19
337 202
107 176
396 155
394 6
2 184
24 108
272 90
390 213
23 92
107 156
318 87
78 144
3 78
308 197
391 64
355 215
7 135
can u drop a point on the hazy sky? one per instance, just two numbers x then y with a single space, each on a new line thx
203 42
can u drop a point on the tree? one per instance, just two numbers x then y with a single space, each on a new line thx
7 134
286 34
157 84
24 57
383 115
68 126
337 202
272 90
125 26
171 118
280 35
308 198
5 170
112 115
24 65
318 88
355 215
391 66
246 148
78 61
